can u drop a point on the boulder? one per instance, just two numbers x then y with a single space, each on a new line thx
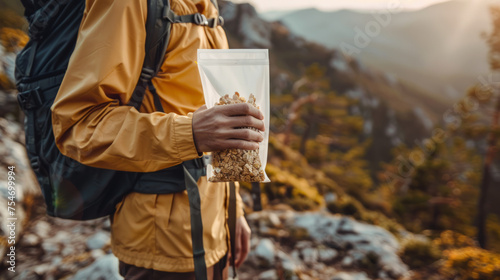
351 276
265 252
268 275
105 268
358 239
98 240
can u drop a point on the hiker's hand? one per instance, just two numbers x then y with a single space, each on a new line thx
242 246
219 128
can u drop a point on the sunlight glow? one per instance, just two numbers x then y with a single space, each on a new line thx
283 5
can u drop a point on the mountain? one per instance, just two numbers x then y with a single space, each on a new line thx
395 111
439 48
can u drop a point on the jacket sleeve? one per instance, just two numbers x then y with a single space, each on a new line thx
90 122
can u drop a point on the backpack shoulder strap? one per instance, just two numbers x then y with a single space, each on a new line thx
159 20
157 37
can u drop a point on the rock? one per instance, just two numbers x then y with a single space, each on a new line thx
327 255
106 224
265 252
42 229
30 240
244 20
42 269
97 253
318 267
106 267
268 275
264 229
288 264
62 237
303 244
347 261
351 276
57 260
98 241
330 198
383 275
274 220
346 226
51 247
310 255
296 255
348 234
67 251
254 241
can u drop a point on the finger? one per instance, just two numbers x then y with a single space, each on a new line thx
244 248
241 109
246 121
237 245
243 134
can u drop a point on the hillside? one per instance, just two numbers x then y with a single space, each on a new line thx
395 111
424 47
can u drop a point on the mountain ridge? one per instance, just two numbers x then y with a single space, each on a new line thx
424 47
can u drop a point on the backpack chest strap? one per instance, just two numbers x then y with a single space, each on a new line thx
198 19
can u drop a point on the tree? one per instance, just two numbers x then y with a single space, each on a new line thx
492 140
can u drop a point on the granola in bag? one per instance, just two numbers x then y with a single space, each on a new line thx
237 164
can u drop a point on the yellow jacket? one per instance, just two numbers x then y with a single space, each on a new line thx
92 125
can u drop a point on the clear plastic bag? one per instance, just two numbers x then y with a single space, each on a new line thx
246 72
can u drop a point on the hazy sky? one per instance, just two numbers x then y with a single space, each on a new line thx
274 5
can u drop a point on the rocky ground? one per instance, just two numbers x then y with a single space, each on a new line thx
285 244
317 245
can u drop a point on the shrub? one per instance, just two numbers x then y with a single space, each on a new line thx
453 240
13 39
419 252
471 263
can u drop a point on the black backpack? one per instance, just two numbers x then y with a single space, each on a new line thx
72 190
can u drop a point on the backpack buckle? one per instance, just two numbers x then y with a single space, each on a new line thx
30 99
200 19
221 20
147 74
35 164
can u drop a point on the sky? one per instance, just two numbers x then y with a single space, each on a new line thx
329 5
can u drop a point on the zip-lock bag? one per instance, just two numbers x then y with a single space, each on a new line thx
236 76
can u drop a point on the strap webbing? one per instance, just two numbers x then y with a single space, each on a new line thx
232 225
200 267
215 4
156 97
31 59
